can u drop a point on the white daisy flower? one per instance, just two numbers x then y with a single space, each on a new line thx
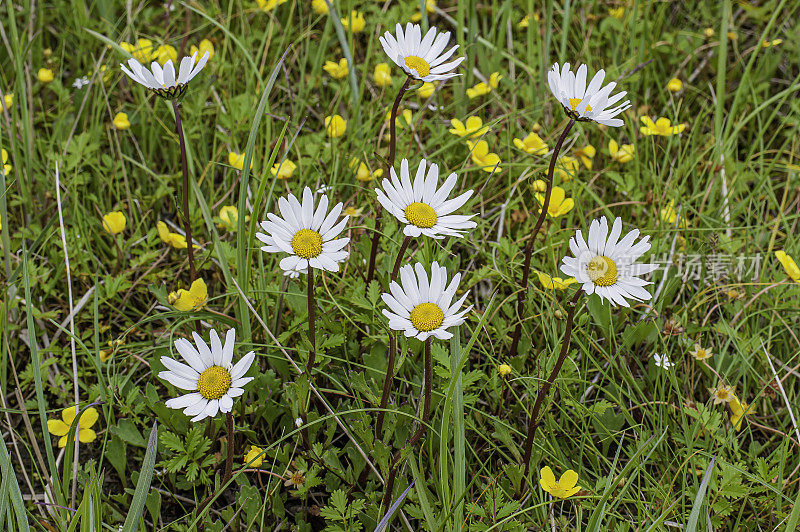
422 206
607 265
211 377
421 57
583 103
421 308
662 361
163 81
305 234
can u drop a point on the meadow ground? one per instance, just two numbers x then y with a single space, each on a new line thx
667 405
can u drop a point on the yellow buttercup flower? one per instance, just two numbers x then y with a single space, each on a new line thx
205 46
774 42
121 121
320 7
622 154
473 128
60 427
430 8
478 90
539 185
567 168
669 215
114 222
674 85
283 170
426 90
188 300
617 12
229 217
709 32
354 22
565 487
722 394
237 160
8 100
732 35
143 51
554 283
663 127
586 154
788 263
336 70
175 240
382 75
363 173
526 21
559 204
113 345
6 167
254 457
45 75
532 144
165 53
494 79
481 156
335 126
738 410
504 370
269 5
403 118
700 353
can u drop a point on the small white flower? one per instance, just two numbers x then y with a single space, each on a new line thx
163 80
592 103
305 234
80 83
422 206
421 57
607 265
662 361
421 308
298 422
210 375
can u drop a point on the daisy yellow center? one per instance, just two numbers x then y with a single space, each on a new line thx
427 317
307 243
602 271
575 102
214 382
419 64
421 215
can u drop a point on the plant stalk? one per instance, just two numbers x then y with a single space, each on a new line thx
526 268
533 422
187 226
389 164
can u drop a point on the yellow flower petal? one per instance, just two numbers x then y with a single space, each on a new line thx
56 427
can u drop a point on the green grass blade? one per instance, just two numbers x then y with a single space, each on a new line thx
11 492
694 517
143 485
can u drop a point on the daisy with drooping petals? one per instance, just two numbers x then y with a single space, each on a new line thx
423 206
421 57
607 265
163 81
423 308
307 235
209 374
586 104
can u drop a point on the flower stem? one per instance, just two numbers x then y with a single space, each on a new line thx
231 448
423 427
187 226
387 383
533 422
526 268
312 337
389 164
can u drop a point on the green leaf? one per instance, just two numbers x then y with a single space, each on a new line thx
143 484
